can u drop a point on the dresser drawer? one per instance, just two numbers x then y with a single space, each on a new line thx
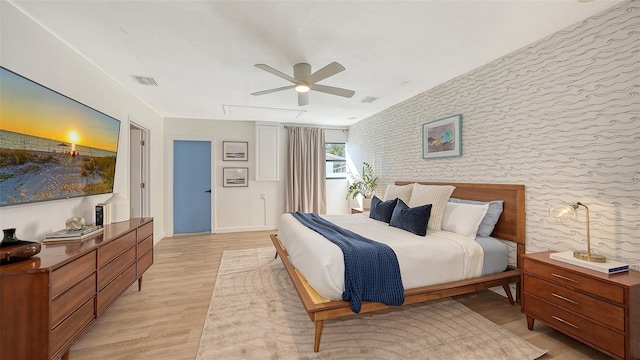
145 246
574 280
589 307
116 247
115 288
67 276
588 331
109 272
70 300
72 326
145 262
145 231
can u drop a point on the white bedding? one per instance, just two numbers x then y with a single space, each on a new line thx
439 257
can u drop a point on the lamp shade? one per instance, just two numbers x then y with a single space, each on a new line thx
563 213
119 207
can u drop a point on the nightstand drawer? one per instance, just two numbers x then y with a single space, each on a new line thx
576 281
599 336
587 306
598 309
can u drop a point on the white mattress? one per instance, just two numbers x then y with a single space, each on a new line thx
439 257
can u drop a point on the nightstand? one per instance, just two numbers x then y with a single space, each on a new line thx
600 310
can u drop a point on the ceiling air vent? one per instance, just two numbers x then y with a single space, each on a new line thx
145 80
369 99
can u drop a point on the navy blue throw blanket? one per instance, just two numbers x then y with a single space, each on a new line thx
371 269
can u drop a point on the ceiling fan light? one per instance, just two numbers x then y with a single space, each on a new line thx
302 88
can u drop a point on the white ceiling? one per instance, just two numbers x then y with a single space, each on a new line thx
202 53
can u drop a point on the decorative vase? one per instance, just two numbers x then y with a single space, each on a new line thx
119 207
9 236
366 203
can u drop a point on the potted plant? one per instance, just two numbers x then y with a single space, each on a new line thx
364 185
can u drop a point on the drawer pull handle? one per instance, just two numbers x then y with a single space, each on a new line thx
564 298
563 321
565 278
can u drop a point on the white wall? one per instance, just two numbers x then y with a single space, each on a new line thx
234 208
31 51
559 116
241 208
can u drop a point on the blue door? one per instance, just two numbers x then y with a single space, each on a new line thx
191 186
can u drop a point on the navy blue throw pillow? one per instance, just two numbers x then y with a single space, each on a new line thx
413 219
382 210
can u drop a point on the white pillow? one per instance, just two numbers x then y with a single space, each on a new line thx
437 196
463 219
397 191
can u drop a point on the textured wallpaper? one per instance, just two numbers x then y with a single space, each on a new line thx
561 116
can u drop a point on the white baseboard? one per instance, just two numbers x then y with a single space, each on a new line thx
245 228
157 237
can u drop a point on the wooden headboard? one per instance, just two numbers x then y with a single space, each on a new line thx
511 225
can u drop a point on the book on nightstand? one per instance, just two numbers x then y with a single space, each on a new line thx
608 267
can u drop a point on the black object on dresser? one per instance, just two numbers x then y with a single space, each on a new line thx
12 249
18 250
600 310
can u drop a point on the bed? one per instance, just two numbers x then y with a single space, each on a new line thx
510 227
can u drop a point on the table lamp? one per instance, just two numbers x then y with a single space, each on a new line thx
570 212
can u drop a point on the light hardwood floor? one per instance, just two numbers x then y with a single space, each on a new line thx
165 319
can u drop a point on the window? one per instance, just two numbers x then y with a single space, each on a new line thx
336 161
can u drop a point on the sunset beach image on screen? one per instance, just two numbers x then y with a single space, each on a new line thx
51 146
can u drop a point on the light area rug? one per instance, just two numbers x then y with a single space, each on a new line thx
255 313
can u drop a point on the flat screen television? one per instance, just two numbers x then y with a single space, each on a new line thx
51 146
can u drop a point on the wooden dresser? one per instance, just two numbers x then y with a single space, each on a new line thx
49 300
600 310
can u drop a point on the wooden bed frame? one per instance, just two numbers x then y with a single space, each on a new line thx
511 227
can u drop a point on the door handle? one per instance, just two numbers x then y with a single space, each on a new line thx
209 191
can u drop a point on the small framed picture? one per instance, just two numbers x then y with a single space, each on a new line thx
235 177
235 151
442 138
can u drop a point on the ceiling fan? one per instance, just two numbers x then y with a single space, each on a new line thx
303 81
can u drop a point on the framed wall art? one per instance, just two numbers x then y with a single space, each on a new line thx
235 151
235 177
53 147
442 138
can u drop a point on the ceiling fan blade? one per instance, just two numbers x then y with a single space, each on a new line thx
272 90
303 99
275 72
333 90
325 72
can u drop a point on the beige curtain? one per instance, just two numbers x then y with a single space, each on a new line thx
306 170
